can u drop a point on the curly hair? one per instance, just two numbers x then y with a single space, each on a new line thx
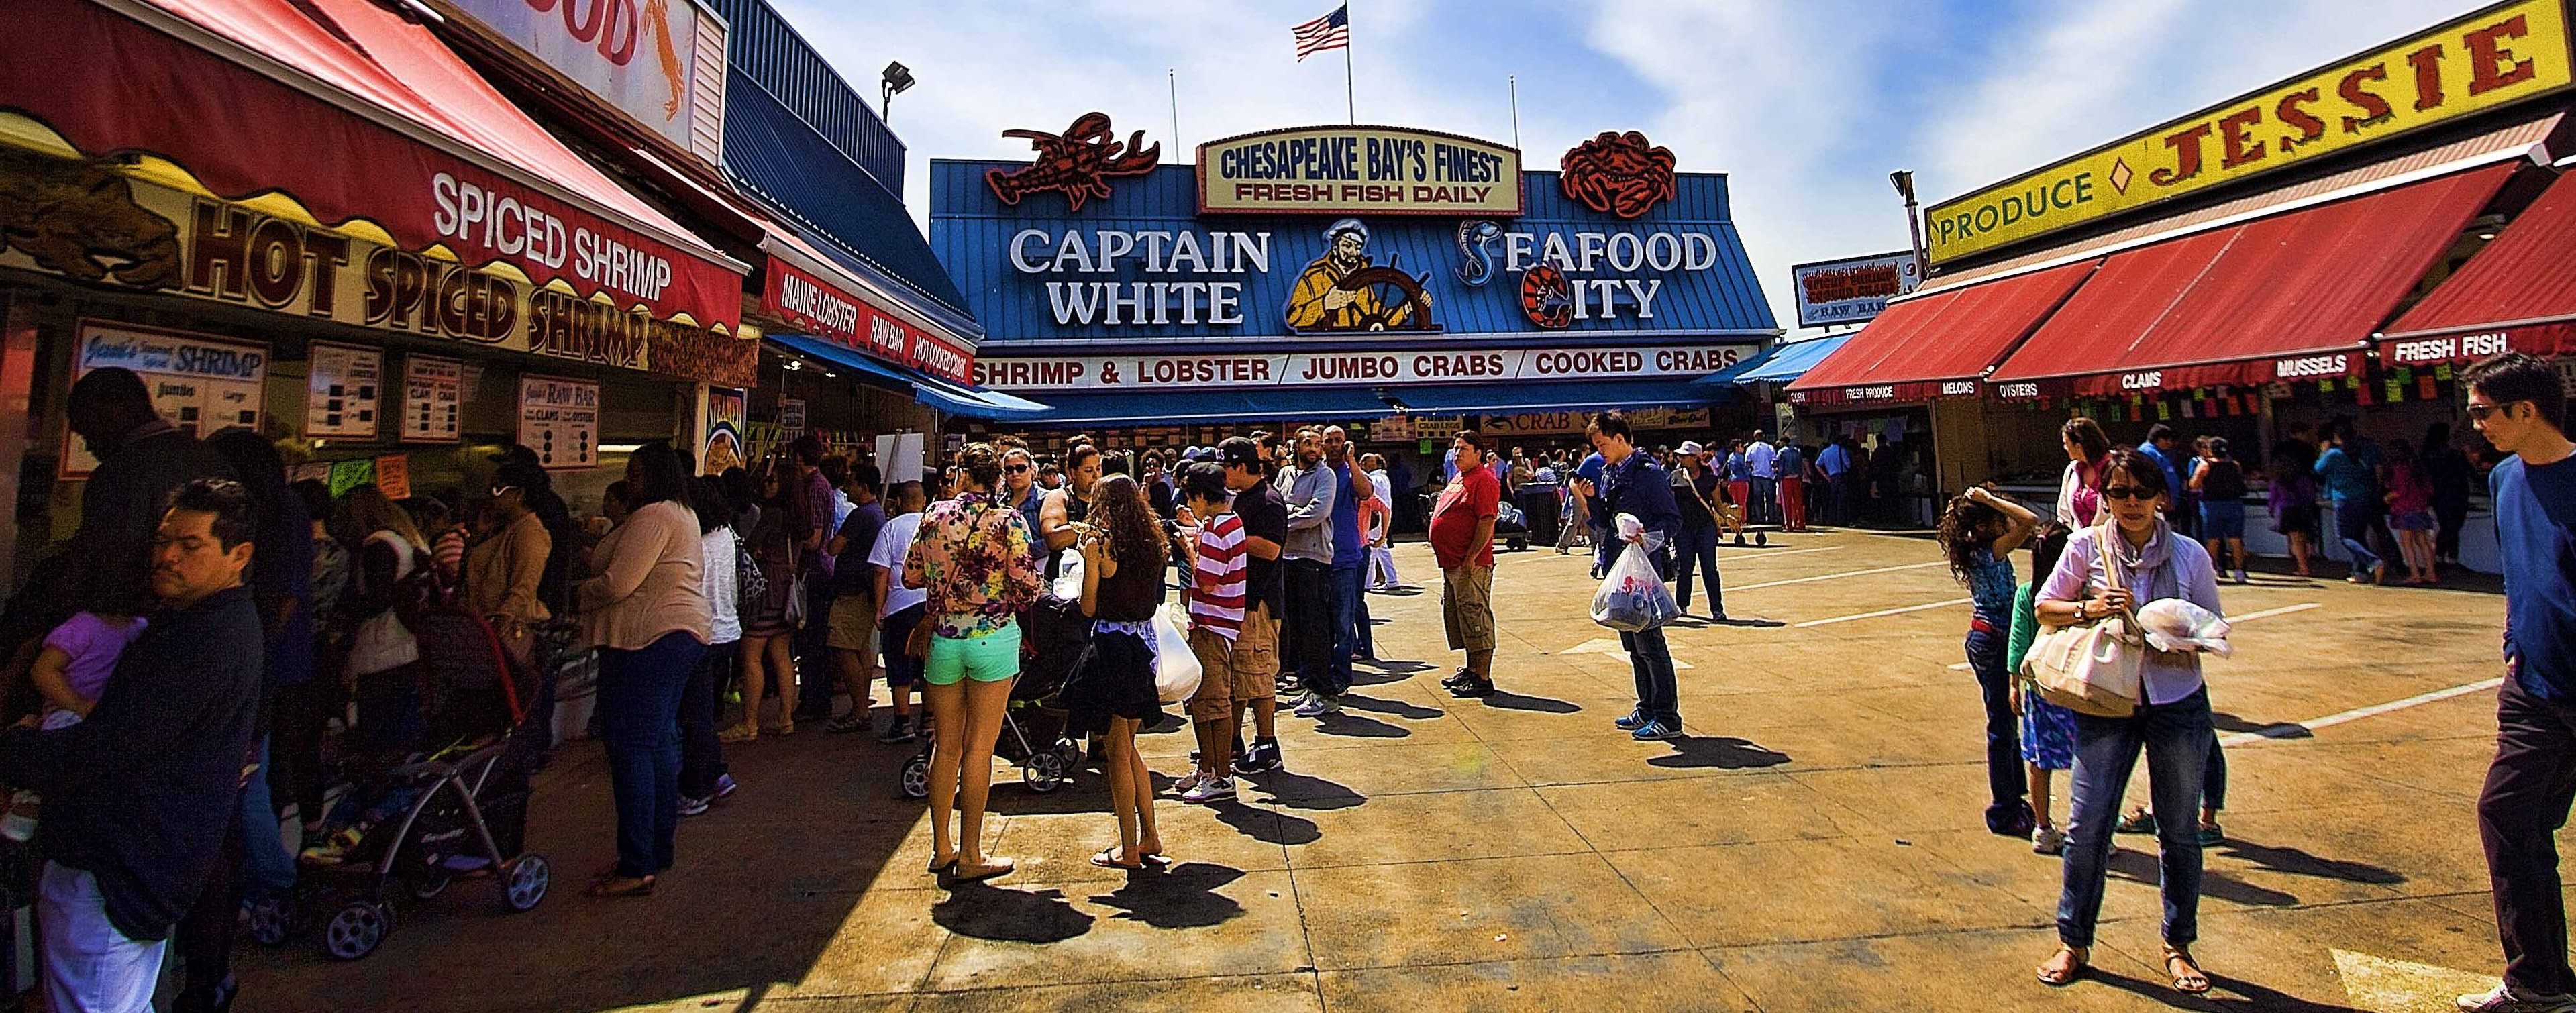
1961 532
1118 505
982 464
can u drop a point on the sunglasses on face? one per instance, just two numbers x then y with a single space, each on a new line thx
2483 412
2128 492
501 490
1016 468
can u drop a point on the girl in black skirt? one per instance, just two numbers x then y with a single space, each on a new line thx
1111 691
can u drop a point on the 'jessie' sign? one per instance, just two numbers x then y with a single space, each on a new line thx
2501 55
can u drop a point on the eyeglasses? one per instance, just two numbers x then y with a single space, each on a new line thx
499 490
2128 492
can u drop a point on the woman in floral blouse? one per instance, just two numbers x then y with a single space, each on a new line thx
972 556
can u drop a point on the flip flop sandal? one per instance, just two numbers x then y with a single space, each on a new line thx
1156 859
988 872
2073 971
945 869
2193 982
1107 858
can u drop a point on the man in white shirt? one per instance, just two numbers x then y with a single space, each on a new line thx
899 608
1761 459
1382 575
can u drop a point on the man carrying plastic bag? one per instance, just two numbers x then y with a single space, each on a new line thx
1634 490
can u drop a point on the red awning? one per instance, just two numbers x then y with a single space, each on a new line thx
2518 294
355 114
2287 297
810 289
1939 344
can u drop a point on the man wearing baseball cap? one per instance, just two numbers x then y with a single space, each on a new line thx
1695 488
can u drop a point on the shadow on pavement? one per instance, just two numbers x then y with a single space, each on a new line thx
1183 897
984 911
1373 705
2250 996
1306 791
1722 752
1511 701
2300 863
1351 725
1271 827
2141 867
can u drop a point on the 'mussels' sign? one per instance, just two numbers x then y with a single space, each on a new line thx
1288 369
1356 170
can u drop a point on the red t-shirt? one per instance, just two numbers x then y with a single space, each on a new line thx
1473 496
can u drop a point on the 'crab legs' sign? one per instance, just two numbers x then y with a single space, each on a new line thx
2497 56
1342 170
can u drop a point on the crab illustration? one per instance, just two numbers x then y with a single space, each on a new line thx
1618 173
1077 163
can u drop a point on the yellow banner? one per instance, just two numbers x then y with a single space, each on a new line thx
1354 170
2500 55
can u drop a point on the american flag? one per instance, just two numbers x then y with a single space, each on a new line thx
1332 31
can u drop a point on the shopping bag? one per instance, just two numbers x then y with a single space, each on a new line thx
2173 624
1068 580
1633 596
1176 667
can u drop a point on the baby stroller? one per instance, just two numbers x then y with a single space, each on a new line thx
436 815
1033 723
1511 527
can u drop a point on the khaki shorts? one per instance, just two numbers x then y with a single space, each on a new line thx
1467 607
1236 673
853 624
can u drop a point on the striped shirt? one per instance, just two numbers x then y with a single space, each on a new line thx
1216 593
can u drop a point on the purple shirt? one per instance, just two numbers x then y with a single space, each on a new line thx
94 646
819 506
2168 567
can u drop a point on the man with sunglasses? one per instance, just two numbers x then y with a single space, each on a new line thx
2516 401
1020 489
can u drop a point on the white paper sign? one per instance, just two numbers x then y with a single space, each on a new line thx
343 385
791 415
433 399
559 419
199 383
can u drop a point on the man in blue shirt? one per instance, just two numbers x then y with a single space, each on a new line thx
1835 461
2160 449
1349 565
1632 483
2350 481
2515 400
1587 484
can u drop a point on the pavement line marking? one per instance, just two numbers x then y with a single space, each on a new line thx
1835 576
1885 612
1609 647
1750 554
2302 728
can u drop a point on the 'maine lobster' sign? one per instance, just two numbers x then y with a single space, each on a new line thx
1077 163
1617 173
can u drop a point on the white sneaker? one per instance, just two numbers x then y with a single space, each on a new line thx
1209 790
2502 999
1189 782
2047 841
2240 577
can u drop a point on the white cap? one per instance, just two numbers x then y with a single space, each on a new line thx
1689 447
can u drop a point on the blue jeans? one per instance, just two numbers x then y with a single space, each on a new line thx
1651 659
1765 508
2006 784
2176 738
1346 613
267 869
639 723
1359 612
2352 528
1696 546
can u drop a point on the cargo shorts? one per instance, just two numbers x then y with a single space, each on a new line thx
1237 672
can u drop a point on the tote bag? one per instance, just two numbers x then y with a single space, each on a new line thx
381 642
1176 667
2094 668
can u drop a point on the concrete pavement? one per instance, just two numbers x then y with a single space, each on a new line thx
1815 844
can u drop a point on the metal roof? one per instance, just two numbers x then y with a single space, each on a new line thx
972 232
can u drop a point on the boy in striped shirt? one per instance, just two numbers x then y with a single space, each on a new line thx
1219 563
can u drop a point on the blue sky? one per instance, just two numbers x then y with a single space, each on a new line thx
1805 104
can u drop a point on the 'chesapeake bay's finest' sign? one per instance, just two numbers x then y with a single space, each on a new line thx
1349 170
2500 55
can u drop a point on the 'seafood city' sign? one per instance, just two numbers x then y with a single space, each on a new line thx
2504 54
1297 369
1358 170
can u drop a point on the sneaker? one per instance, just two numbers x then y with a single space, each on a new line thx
1656 731
2048 841
2136 823
1316 705
897 730
2240 577
1458 678
726 786
1635 720
2212 835
1472 688
1209 790
2503 999
1189 783
692 806
854 721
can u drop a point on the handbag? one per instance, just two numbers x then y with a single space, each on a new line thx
750 583
2093 668
796 603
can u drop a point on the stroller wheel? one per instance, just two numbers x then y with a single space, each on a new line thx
272 920
916 777
432 885
358 928
526 878
1045 772
1070 751
1761 538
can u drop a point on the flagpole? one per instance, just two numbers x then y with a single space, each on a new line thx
1350 93
1515 81
1172 76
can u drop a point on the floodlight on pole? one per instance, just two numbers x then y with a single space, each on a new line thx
897 79
1903 180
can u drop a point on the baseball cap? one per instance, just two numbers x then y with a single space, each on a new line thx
1230 452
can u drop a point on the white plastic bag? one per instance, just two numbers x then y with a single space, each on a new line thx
1632 596
1068 580
1176 667
2173 624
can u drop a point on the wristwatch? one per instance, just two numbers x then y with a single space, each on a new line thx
2083 611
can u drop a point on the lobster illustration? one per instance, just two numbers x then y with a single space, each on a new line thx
1617 173
1476 265
1077 163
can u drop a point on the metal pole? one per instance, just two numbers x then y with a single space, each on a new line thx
1173 78
1350 92
1516 111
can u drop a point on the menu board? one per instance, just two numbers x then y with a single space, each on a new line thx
341 388
198 382
559 419
433 399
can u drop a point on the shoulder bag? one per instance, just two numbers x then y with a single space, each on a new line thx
2092 668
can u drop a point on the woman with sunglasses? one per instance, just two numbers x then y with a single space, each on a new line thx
972 556
2172 723
504 570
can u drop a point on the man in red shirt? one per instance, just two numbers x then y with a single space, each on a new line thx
1462 539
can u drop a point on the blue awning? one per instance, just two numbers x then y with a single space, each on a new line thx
1784 362
1151 407
1580 395
793 171
953 398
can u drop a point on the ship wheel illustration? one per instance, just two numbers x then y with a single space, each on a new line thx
1395 299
